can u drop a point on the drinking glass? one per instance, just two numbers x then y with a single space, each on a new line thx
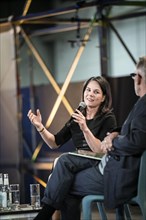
15 195
35 195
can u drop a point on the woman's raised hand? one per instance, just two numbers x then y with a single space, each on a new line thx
36 120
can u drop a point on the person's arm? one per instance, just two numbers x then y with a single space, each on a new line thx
47 136
102 146
134 141
107 143
94 142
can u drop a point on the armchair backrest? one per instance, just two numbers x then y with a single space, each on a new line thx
142 178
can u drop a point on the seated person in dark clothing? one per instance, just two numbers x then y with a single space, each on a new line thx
117 174
87 128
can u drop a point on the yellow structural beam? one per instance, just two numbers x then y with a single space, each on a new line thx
66 83
45 69
27 6
40 181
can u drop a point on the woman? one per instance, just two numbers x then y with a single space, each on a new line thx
87 131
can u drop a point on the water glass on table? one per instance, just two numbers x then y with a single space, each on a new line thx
15 196
35 195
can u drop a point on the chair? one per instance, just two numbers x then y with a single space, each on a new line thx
139 199
86 206
87 212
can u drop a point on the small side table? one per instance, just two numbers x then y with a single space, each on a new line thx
26 213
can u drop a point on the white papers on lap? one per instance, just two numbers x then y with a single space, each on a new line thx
85 155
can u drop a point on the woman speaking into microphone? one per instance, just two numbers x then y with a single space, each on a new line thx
87 127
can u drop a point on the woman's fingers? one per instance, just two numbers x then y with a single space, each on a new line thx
38 112
30 115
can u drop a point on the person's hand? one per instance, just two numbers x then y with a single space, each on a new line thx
80 119
106 144
36 120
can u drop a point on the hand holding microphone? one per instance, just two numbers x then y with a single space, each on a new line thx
79 113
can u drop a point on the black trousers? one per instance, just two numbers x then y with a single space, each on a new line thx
72 175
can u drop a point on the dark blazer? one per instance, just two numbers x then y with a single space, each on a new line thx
122 169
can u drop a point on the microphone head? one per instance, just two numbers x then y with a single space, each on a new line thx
81 108
82 105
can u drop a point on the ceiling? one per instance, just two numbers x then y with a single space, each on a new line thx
16 7
45 15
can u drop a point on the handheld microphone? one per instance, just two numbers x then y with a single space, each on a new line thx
81 108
